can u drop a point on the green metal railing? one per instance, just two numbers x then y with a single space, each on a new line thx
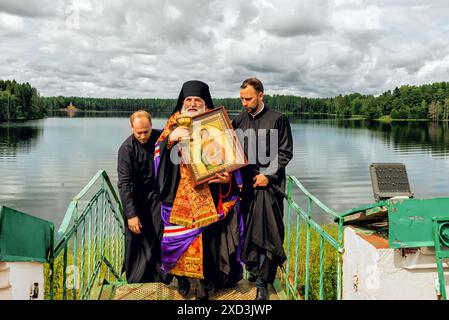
296 277
89 244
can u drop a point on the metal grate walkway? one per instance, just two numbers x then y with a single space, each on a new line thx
244 290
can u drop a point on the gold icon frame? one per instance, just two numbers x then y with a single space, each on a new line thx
196 152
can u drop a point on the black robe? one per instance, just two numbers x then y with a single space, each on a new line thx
220 239
136 184
263 207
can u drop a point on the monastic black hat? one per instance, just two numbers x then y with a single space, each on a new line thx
194 88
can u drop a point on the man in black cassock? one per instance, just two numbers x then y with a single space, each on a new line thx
136 183
268 152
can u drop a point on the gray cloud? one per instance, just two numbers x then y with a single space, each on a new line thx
29 8
144 48
286 18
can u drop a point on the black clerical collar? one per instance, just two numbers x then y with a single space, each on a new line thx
258 114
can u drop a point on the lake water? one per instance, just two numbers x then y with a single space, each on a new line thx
44 163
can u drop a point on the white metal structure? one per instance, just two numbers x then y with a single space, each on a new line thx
371 270
21 281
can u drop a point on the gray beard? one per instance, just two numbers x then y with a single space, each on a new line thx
192 114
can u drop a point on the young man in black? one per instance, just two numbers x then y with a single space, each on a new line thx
263 132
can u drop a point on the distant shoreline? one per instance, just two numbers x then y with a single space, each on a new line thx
129 111
289 114
383 119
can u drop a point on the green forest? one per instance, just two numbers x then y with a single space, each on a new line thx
20 101
425 102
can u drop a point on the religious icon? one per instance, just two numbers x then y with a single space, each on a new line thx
213 147
212 152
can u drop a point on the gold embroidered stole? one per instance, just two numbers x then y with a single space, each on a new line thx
194 206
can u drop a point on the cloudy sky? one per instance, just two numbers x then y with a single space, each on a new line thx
148 48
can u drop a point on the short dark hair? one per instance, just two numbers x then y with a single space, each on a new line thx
254 82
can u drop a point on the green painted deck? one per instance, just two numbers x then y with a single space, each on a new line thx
244 290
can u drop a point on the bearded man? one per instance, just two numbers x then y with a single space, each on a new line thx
268 132
202 225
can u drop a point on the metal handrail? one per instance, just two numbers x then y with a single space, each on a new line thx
103 252
74 203
312 197
291 285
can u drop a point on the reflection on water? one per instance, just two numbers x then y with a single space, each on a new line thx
111 114
44 163
430 136
18 137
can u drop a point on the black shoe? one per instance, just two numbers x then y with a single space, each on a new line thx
202 297
262 294
252 278
167 278
183 287
201 290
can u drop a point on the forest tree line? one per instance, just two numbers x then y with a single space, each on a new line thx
429 101
20 101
